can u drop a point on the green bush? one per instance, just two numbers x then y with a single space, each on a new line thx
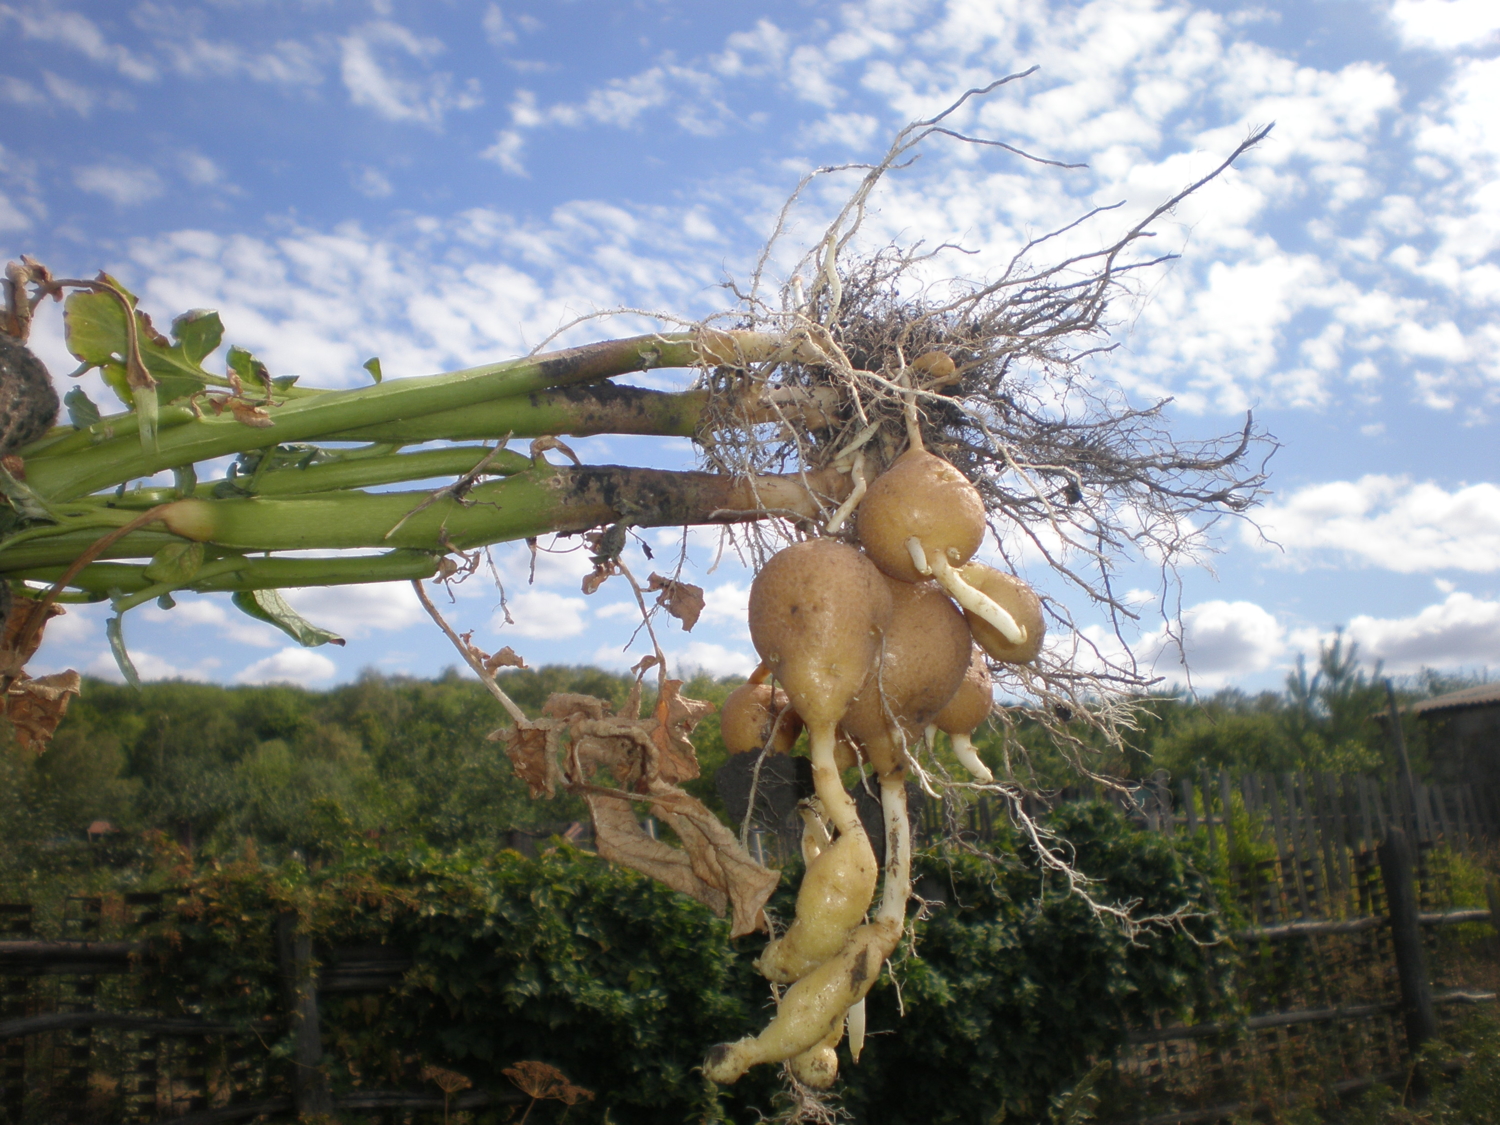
1013 988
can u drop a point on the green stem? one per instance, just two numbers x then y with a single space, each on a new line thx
600 408
249 573
102 466
219 568
428 464
541 500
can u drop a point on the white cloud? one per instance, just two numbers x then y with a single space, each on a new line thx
79 33
214 613
370 182
496 30
126 185
1221 640
1461 631
373 58
358 611
1445 24
544 615
80 99
705 656
297 666
506 151
199 170
1389 522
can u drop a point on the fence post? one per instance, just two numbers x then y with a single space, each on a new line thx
1406 939
310 1092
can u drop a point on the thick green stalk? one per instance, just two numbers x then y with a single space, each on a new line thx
600 408
101 466
541 500
255 573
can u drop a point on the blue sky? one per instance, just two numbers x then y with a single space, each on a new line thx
444 183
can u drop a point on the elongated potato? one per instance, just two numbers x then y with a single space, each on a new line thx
835 893
818 611
814 1006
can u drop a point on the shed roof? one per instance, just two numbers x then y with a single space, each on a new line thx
1481 695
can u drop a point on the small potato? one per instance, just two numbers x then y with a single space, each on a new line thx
757 715
1015 598
921 496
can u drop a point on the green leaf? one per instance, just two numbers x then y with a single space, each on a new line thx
175 563
116 635
96 334
372 365
252 372
95 327
82 411
199 332
269 606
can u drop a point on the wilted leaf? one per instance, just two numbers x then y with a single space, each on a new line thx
545 1083
682 600
15 465
12 657
619 838
249 414
35 707
526 745
248 368
675 717
718 859
505 658
601 573
269 606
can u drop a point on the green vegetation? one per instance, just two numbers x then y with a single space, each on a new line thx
1323 720
1010 989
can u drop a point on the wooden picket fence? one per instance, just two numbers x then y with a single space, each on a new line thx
1353 953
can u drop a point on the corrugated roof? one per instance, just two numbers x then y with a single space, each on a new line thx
1483 695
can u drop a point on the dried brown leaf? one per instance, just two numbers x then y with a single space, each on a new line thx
674 718
619 838
528 746
682 600
718 860
247 413
12 658
35 707
505 658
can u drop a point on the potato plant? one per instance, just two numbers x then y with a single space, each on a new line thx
868 426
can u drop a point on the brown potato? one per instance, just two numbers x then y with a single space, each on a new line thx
818 612
965 713
1015 598
748 720
926 655
971 703
921 496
